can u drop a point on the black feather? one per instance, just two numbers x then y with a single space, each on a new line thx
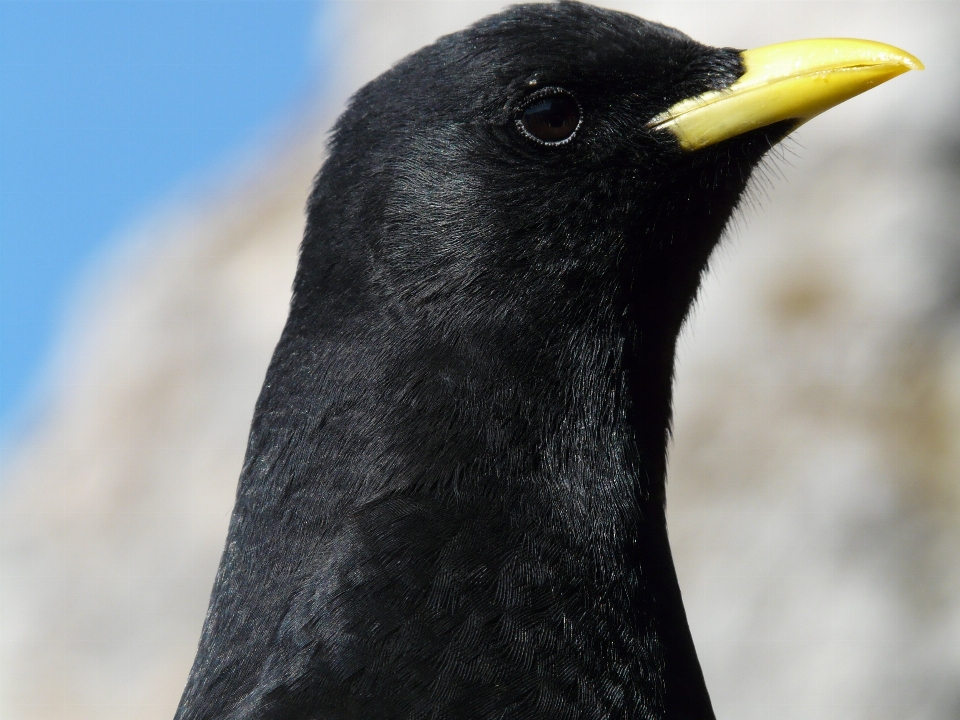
452 504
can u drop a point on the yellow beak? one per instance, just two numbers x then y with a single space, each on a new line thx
790 81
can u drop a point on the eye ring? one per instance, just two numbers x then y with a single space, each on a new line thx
550 123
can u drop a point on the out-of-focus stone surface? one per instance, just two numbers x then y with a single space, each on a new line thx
115 505
814 492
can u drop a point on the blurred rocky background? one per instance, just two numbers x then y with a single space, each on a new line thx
814 487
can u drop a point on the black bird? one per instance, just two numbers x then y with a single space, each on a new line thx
452 503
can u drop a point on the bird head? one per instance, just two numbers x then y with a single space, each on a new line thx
555 150
534 199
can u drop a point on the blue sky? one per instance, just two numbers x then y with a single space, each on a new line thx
105 108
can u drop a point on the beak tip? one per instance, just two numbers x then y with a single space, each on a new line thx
913 63
904 59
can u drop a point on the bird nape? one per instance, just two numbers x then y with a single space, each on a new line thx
452 503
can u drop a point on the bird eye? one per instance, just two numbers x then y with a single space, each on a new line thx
550 116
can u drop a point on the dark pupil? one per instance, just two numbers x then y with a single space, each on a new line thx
552 119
